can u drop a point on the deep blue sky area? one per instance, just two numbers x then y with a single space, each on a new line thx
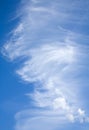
10 87
11 94
7 11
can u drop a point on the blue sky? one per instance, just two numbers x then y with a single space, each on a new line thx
44 65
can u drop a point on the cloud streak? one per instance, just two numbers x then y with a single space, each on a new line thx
53 61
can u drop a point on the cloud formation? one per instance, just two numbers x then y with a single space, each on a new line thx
53 61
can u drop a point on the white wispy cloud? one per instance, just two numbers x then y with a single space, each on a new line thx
54 61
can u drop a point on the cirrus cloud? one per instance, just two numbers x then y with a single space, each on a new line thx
54 61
